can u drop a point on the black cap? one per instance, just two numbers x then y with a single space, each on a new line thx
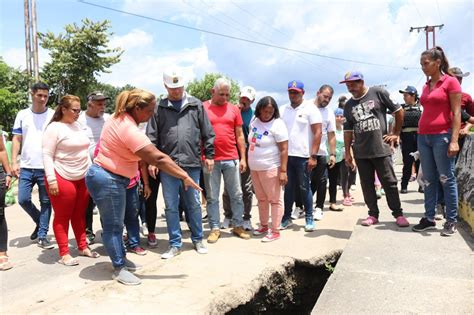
97 96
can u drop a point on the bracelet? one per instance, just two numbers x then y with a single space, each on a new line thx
332 154
8 174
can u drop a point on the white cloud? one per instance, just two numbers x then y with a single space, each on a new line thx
136 38
145 70
16 57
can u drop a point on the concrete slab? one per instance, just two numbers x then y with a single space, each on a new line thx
385 269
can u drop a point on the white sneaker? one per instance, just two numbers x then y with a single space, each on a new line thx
226 224
295 214
144 229
171 252
318 214
95 210
247 225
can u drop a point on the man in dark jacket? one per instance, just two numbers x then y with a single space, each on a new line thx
180 128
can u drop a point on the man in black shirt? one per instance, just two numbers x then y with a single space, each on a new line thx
366 122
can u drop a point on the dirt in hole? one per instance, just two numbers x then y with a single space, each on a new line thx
294 291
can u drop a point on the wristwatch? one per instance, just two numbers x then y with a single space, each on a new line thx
314 156
8 174
332 154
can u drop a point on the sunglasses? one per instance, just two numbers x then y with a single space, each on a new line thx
75 110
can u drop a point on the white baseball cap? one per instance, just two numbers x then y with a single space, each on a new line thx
173 78
248 92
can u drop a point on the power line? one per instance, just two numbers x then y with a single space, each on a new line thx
265 24
243 39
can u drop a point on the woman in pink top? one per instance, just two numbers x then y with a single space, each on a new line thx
122 145
66 159
438 132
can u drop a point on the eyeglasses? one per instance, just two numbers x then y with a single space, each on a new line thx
75 110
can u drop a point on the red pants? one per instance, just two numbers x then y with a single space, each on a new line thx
69 205
269 194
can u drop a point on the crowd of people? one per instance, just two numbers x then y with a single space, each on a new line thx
286 155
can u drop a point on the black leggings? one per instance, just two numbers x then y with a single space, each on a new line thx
347 179
3 221
334 174
151 208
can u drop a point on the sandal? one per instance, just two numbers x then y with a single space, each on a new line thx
69 262
5 265
89 253
335 208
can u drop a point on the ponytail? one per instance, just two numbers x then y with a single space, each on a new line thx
127 100
437 53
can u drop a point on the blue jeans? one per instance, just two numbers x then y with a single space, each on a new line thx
173 190
438 169
109 192
231 172
298 182
28 178
131 217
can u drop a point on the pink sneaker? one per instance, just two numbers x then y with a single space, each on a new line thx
401 221
370 221
347 202
270 237
261 230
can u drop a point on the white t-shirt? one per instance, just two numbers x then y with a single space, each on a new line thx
65 150
93 128
30 126
298 121
263 137
329 125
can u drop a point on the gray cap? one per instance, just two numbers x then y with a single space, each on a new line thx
457 72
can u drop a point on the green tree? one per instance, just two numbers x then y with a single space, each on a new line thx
78 57
202 88
110 91
13 94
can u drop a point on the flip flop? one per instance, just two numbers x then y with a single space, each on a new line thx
6 265
93 254
71 262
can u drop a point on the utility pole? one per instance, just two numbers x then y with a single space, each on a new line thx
428 29
35 40
31 39
27 36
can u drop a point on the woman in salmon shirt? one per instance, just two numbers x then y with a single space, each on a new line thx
122 145
66 160
438 132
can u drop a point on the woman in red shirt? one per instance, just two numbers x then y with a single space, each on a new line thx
438 133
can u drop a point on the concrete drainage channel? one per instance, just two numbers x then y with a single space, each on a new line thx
295 290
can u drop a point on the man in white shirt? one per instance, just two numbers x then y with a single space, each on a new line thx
93 120
28 135
319 175
303 122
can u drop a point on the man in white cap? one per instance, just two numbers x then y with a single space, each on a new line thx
247 97
93 120
180 128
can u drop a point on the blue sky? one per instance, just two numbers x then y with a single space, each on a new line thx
367 31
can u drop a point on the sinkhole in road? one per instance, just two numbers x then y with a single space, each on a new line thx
293 291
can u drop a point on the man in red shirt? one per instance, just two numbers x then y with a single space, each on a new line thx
467 109
229 145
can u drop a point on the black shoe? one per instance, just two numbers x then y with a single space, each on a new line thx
449 228
424 225
421 190
403 191
45 243
34 235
